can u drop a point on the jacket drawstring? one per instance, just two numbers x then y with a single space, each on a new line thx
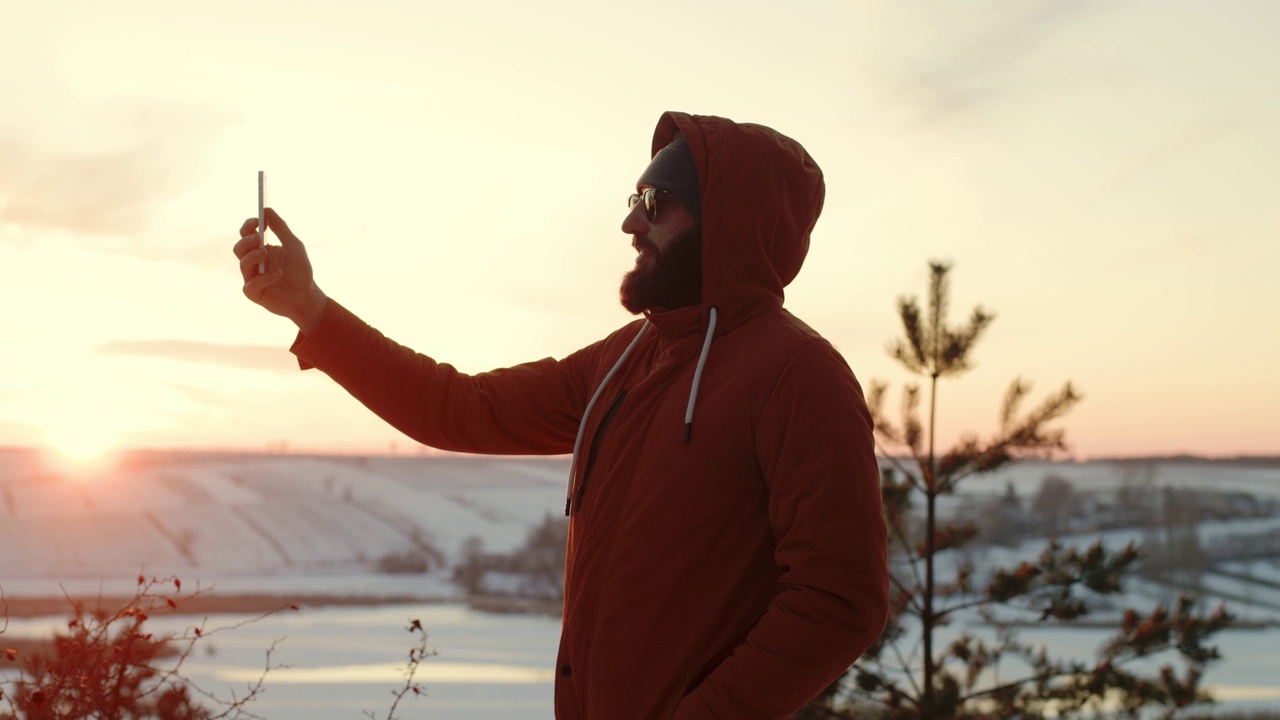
697 376
582 425
688 413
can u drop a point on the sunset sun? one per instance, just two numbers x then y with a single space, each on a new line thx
81 445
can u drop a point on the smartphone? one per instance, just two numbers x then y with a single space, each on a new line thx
262 215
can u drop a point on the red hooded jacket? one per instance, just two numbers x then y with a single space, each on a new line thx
733 575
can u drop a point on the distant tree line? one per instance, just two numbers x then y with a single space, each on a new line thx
533 570
1059 508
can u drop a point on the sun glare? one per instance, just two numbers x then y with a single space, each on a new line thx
82 448
85 427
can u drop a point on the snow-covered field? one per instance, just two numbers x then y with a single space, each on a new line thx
263 523
319 525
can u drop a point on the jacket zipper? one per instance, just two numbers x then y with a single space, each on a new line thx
595 447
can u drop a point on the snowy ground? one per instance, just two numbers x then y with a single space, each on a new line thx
264 523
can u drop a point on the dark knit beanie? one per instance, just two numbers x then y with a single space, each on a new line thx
673 170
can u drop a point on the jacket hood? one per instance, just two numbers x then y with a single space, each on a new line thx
761 195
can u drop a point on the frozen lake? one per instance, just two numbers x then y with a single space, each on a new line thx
349 661
346 662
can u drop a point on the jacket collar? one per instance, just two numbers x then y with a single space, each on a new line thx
678 323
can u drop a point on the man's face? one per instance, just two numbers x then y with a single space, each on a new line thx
668 270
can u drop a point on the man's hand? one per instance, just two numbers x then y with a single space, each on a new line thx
288 286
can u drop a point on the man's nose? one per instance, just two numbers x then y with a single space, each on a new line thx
636 222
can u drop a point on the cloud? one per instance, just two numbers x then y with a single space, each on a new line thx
1166 148
203 396
252 357
213 253
85 160
109 178
977 54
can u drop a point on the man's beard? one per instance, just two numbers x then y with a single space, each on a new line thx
674 281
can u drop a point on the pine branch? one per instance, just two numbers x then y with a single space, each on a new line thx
965 605
911 352
910 595
911 478
912 429
1028 437
911 678
881 427
1013 397
912 558
979 321
939 299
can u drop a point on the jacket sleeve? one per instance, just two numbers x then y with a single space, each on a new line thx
532 408
815 447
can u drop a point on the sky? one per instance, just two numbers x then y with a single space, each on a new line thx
1102 175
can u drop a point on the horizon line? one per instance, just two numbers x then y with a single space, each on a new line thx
424 451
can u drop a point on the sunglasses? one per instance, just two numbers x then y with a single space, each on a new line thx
650 197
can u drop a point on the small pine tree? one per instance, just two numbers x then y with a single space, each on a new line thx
905 674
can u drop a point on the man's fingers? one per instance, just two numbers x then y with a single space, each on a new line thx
249 227
280 228
246 244
254 288
249 262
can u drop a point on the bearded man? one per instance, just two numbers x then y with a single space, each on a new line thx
727 552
